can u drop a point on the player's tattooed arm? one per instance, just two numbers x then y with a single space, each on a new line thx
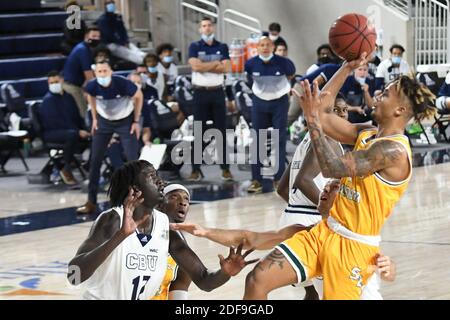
381 155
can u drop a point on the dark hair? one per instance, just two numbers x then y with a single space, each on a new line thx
282 43
163 47
102 49
91 28
150 56
206 19
340 96
324 46
396 46
125 177
103 61
275 26
53 73
420 98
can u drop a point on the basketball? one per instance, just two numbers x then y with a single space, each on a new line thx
351 35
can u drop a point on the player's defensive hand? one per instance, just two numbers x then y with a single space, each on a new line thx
235 261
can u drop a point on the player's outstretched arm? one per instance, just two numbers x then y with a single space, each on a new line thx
249 239
204 278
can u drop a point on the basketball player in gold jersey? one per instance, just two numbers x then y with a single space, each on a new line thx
373 176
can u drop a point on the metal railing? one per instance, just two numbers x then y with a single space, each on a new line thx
227 20
224 18
431 35
401 5
214 11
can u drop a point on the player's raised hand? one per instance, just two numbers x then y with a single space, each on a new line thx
361 61
192 228
132 201
235 261
310 100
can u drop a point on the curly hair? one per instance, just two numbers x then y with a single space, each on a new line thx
419 96
128 176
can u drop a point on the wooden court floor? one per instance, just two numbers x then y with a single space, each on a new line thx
417 237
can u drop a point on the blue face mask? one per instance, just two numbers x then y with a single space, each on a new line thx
167 59
152 69
111 8
396 60
104 81
266 59
208 38
360 80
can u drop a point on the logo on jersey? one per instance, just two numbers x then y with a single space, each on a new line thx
349 193
296 164
355 275
141 262
144 238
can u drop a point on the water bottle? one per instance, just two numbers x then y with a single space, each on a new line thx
26 147
237 57
55 178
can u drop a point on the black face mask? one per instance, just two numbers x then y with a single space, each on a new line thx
324 60
93 43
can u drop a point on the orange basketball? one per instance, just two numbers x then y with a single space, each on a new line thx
351 35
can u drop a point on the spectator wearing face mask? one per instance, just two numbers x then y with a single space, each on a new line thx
116 105
324 56
62 123
392 68
77 68
167 67
274 34
358 91
114 35
154 77
269 76
209 60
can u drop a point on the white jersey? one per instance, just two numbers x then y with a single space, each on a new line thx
301 210
136 268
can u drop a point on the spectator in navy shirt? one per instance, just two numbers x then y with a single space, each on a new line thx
270 77
62 123
77 68
115 36
116 105
209 60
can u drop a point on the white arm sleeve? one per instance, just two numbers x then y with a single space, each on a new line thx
178 295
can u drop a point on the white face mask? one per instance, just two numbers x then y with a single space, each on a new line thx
273 38
55 88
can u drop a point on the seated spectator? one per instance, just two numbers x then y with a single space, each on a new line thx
324 56
274 33
62 123
72 36
281 49
358 91
392 68
155 78
167 67
149 91
115 36
443 100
